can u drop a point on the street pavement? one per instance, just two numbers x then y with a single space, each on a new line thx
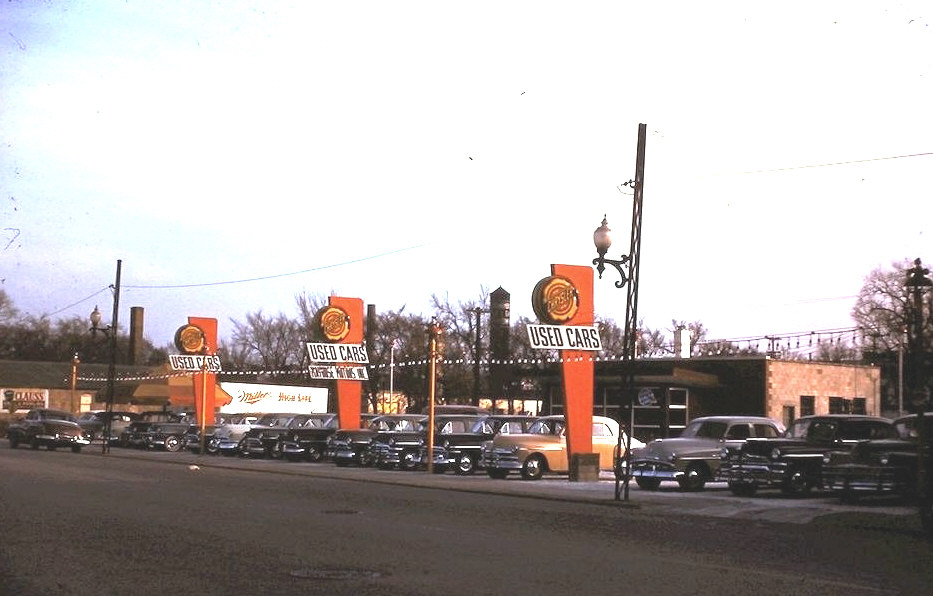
714 501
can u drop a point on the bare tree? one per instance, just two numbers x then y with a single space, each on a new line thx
882 309
273 344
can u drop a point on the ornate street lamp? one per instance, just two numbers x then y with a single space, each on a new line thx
110 331
628 267
917 283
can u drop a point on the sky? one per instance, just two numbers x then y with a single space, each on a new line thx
235 154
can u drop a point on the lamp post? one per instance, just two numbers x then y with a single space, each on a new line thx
628 267
111 332
917 283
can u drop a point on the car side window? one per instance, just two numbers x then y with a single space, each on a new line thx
738 431
765 430
601 430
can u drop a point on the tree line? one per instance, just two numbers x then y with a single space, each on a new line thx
271 348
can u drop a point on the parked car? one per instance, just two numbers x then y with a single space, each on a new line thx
193 439
405 448
227 437
544 448
263 437
135 434
793 462
49 428
308 440
169 436
95 421
461 451
886 466
352 445
692 459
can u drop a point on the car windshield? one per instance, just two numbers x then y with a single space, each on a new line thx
547 427
798 429
705 429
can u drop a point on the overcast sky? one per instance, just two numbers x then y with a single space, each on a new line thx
391 150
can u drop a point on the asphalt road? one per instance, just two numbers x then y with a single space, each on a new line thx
131 523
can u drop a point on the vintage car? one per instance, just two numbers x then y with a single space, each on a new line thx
49 428
793 462
307 440
352 445
135 434
169 436
544 448
405 448
692 459
263 437
95 421
193 439
227 436
460 451
887 466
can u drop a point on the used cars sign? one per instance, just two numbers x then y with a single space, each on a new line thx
564 337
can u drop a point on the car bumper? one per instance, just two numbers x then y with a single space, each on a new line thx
864 479
655 469
759 474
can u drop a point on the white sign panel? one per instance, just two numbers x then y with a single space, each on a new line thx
348 373
16 400
564 337
268 399
195 362
335 353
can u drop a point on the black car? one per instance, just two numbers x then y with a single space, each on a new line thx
793 462
193 439
886 466
135 434
169 436
94 423
352 445
263 437
306 439
48 428
460 450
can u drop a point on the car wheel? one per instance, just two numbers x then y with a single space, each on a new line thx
648 483
693 479
796 482
172 444
533 468
497 474
743 489
465 465
211 447
76 448
13 443
408 461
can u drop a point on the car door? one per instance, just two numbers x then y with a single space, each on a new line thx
604 443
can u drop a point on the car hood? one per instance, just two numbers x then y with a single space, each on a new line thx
61 426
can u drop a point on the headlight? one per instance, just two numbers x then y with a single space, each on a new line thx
391 441
514 448
827 458
446 443
672 457
724 453
885 459
775 453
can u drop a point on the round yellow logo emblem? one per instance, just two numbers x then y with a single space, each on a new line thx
555 300
335 323
190 339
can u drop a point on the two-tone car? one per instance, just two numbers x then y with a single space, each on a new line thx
48 428
793 462
886 466
544 448
94 423
693 458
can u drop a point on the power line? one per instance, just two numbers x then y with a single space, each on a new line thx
838 163
277 275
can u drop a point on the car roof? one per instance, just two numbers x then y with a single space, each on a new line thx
736 418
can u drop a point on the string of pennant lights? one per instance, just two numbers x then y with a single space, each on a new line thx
798 342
